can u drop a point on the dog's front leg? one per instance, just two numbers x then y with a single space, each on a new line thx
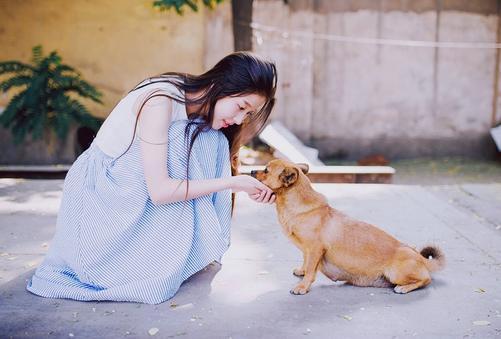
312 257
299 272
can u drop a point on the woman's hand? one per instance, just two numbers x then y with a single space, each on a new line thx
256 190
264 197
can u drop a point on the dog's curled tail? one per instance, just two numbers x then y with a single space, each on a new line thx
435 259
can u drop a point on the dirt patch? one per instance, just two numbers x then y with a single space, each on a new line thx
441 171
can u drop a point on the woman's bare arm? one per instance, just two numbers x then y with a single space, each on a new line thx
153 132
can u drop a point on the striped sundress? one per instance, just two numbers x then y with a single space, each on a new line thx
113 243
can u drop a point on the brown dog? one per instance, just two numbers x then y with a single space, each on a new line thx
340 247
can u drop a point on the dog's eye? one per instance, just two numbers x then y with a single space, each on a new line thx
265 170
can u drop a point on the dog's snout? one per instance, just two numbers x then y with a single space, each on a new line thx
253 173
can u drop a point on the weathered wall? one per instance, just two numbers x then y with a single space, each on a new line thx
218 40
114 44
352 99
347 99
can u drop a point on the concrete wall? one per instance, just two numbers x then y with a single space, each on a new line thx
347 99
352 99
114 44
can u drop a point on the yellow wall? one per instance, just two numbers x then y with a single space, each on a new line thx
114 44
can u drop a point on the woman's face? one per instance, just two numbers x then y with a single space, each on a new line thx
234 110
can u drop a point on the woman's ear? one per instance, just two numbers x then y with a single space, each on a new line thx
288 176
304 167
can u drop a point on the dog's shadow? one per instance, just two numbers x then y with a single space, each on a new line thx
354 295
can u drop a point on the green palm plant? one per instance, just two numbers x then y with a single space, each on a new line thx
43 103
165 5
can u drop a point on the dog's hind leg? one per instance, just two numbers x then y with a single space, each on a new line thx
412 275
312 257
332 272
408 271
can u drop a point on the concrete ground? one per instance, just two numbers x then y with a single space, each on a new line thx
248 296
441 170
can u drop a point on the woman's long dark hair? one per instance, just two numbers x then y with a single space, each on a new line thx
237 74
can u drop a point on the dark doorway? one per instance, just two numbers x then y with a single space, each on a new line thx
85 135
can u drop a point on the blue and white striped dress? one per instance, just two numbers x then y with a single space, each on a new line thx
113 243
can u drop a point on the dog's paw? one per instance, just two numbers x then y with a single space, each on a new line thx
298 272
299 290
400 289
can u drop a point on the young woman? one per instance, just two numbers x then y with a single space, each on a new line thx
149 203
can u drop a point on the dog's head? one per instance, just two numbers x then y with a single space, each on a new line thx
280 174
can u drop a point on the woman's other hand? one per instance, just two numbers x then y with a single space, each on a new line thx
256 190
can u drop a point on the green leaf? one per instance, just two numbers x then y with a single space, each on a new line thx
19 128
77 85
15 106
43 103
64 68
14 67
35 124
212 3
62 123
37 52
82 116
165 5
20 80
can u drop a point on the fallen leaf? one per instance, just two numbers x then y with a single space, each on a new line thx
481 323
479 290
153 331
346 317
45 244
178 307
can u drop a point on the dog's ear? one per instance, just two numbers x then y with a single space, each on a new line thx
288 176
304 167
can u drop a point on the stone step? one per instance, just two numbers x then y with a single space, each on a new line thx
342 174
34 171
